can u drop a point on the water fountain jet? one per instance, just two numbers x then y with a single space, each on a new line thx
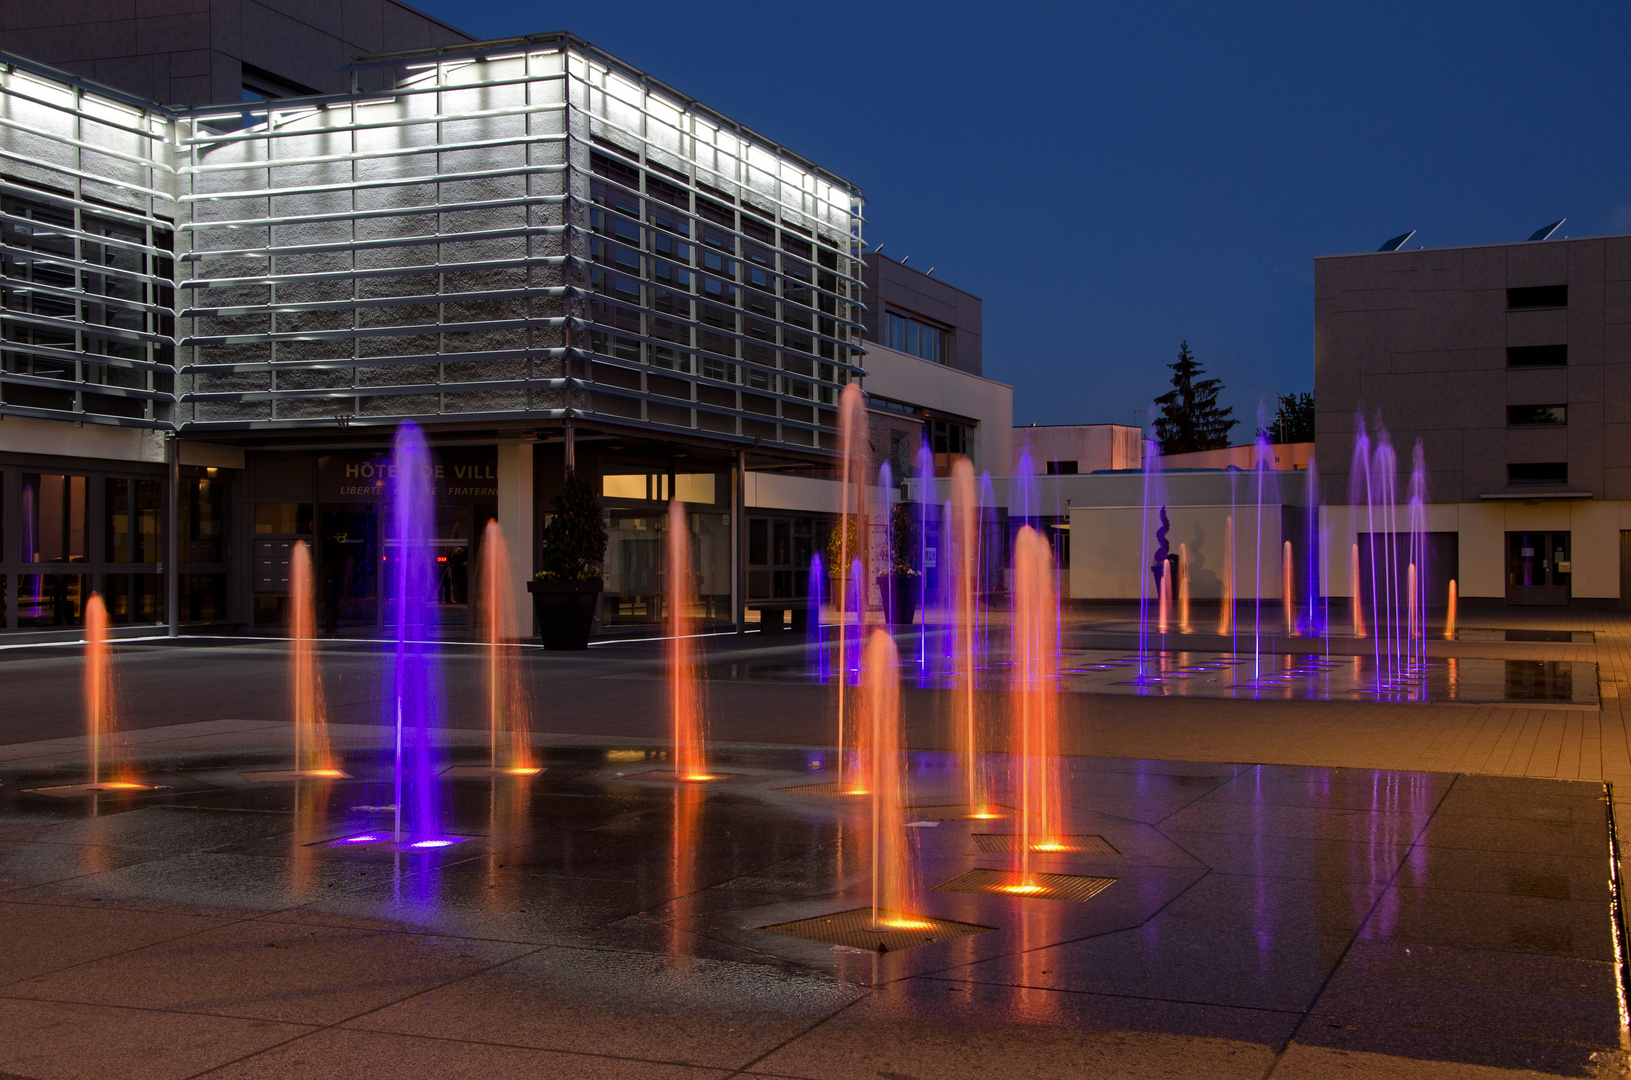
684 689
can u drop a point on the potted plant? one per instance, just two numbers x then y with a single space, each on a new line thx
898 585
566 592
842 540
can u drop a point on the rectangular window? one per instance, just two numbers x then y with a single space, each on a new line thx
52 599
694 487
1537 296
203 517
55 512
718 369
1537 415
914 337
1538 472
1532 356
131 521
758 542
1062 468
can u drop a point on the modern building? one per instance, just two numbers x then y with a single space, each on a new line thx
1511 365
216 314
927 402
204 52
1068 449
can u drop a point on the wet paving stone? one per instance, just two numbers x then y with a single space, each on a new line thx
605 924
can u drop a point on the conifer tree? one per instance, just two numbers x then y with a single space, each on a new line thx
1190 418
1295 420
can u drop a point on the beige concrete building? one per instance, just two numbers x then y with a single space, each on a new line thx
1067 449
1511 363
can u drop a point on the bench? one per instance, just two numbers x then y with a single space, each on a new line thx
771 611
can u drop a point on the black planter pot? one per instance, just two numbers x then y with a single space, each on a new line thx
905 598
565 611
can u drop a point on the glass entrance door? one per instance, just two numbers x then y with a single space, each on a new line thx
1538 568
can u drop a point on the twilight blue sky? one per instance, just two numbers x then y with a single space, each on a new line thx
1113 178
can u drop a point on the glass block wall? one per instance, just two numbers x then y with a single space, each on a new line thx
531 230
87 238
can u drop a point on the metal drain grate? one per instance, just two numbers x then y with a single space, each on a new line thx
483 772
962 812
1005 843
853 930
668 776
279 776
1040 886
829 788
106 787
384 841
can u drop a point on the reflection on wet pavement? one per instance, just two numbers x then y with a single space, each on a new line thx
595 917
1269 677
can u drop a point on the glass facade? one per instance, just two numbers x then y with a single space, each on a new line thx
87 238
67 534
522 232
529 231
636 568
536 234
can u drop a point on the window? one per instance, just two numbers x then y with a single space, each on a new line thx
1536 415
55 513
913 337
1532 356
1062 468
131 521
1538 472
677 277
947 441
1537 296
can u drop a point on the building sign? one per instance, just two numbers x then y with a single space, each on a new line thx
458 474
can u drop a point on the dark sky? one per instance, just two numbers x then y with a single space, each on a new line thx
1112 179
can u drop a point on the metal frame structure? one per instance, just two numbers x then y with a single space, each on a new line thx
521 230
518 230
87 225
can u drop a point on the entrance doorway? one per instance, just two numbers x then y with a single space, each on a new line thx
1538 568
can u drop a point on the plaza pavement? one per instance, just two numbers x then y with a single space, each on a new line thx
189 703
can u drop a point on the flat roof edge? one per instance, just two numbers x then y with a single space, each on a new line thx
443 23
499 46
15 60
1475 247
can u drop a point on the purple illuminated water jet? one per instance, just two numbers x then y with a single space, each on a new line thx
414 684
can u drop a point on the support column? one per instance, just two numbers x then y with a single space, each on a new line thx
172 542
739 481
515 521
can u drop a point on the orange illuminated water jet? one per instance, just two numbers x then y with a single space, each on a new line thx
1035 696
1449 621
101 712
311 748
1226 609
893 883
684 687
1359 612
1288 599
1183 588
1163 597
509 708
852 486
963 559
1412 615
